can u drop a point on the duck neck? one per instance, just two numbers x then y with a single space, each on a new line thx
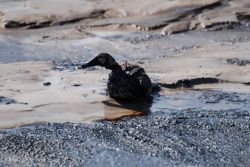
114 67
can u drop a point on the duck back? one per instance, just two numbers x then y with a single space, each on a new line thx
129 83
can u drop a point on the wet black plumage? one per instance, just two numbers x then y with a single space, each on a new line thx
125 82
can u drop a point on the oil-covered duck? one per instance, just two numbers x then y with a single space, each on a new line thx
125 82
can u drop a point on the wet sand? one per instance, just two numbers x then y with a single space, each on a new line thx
71 121
79 95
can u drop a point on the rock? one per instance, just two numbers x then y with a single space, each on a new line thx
76 84
115 13
45 36
6 100
176 27
144 15
217 17
236 61
47 83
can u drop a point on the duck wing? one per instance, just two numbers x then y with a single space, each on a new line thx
133 70
143 82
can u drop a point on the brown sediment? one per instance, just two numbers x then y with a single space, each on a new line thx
133 114
128 109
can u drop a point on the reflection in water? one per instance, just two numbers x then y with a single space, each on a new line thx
115 109
109 109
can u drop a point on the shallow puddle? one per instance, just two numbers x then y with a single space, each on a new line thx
80 96
70 96
213 98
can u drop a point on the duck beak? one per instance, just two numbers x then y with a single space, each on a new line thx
88 64
83 66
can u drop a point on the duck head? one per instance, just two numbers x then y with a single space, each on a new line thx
103 60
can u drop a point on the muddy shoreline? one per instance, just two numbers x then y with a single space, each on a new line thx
203 125
52 114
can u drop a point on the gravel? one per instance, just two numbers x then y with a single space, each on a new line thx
177 138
